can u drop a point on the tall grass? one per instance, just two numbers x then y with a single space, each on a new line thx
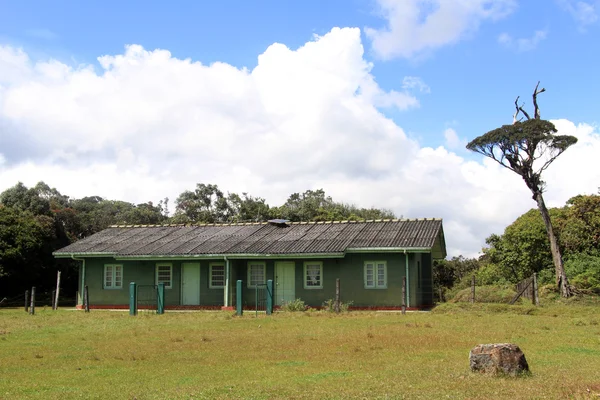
110 355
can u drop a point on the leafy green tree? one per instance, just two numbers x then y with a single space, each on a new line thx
25 245
446 273
523 248
205 204
93 213
246 208
580 232
528 148
315 205
24 199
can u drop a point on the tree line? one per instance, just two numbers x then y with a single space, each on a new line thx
523 249
36 221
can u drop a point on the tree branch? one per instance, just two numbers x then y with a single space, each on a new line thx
524 112
536 110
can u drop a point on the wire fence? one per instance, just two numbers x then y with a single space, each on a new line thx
147 299
41 299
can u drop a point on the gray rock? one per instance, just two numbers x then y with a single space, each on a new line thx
498 358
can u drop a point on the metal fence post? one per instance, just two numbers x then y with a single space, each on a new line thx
473 289
27 301
132 299
160 307
238 298
269 297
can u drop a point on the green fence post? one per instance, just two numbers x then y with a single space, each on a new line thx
269 297
238 298
132 298
160 307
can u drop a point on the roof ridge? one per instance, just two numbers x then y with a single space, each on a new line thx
365 221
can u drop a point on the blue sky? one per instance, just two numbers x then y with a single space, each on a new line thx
473 82
442 72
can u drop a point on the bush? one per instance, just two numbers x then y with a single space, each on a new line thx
329 305
583 271
294 305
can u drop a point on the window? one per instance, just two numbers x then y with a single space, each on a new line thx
375 275
113 276
216 277
256 273
313 275
164 274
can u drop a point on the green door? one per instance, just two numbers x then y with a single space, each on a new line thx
285 282
190 284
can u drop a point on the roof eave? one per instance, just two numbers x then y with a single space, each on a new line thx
72 254
389 250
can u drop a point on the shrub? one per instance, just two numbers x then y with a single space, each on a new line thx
294 305
329 305
584 271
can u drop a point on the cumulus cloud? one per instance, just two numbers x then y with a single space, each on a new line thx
146 125
452 140
414 27
522 44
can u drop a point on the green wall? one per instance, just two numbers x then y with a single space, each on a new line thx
143 273
350 271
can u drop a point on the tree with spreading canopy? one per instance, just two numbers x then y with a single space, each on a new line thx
528 148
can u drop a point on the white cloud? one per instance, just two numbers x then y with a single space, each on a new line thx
415 83
452 140
522 44
414 27
583 12
149 125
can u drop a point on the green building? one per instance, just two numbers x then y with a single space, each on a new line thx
200 264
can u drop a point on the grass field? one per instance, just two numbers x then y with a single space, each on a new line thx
68 354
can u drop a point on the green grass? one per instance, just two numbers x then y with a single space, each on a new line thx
110 355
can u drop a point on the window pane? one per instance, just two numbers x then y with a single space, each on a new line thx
217 275
118 276
108 275
257 274
164 275
380 275
313 275
369 275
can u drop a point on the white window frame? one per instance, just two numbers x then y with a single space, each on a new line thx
158 266
375 284
306 277
210 275
263 264
113 276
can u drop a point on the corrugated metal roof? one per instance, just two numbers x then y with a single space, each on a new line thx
261 238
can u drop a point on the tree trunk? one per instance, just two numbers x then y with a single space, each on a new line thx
561 278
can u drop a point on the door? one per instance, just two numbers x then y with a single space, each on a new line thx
190 284
285 282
